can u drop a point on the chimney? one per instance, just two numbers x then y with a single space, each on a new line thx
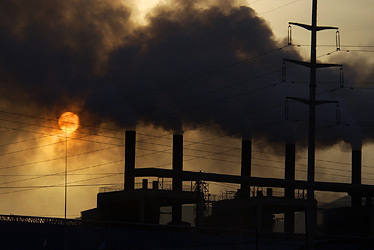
356 176
130 138
246 165
289 173
289 193
177 183
177 159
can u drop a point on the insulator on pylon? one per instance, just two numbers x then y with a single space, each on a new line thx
283 71
289 35
337 40
286 110
341 77
337 114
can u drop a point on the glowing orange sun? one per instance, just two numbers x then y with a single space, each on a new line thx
68 122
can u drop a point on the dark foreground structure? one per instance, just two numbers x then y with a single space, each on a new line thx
21 233
42 233
250 211
129 218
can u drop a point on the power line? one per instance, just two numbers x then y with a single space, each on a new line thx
334 45
62 173
216 90
194 77
55 159
274 84
53 144
222 68
69 184
280 7
193 156
60 134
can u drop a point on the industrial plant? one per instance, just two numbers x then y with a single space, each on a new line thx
187 215
246 219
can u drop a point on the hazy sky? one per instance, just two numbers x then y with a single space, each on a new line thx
210 68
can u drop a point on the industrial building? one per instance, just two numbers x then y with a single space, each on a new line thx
243 220
252 207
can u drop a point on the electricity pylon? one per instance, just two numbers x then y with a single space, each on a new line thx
311 212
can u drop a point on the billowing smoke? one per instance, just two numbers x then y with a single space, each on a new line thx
193 64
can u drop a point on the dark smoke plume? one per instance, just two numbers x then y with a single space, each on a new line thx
191 65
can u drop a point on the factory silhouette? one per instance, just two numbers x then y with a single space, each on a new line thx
246 219
252 207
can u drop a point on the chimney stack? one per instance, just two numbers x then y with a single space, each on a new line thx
290 169
130 138
177 159
289 216
246 165
177 183
356 176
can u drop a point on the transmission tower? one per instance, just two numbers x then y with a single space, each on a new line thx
311 211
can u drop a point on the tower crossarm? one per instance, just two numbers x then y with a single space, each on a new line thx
308 64
302 25
318 102
308 102
309 27
302 63
303 100
319 28
328 65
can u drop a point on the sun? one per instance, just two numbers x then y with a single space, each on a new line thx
68 122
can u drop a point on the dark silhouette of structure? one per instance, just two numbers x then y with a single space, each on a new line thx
143 205
250 208
312 103
245 219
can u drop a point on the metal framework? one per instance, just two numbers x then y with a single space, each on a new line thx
256 181
40 220
312 102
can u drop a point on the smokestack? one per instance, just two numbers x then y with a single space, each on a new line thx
130 138
356 176
246 164
177 159
177 183
289 174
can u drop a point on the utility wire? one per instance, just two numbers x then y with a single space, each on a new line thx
280 7
62 185
57 158
214 70
194 77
